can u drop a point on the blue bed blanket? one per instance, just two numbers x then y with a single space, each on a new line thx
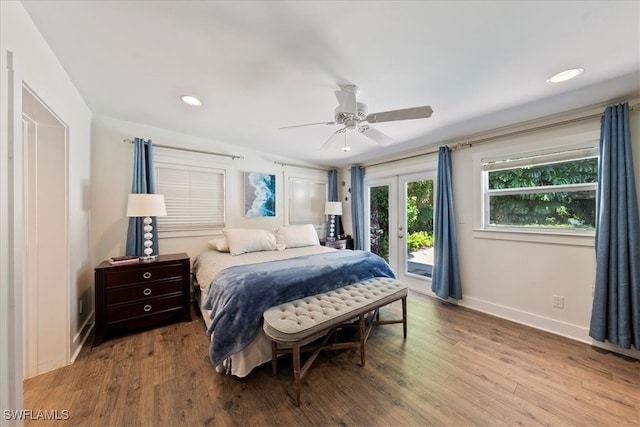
239 295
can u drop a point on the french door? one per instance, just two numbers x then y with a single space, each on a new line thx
400 211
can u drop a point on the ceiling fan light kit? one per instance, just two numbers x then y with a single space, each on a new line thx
352 114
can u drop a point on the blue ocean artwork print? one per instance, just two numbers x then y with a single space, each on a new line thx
260 194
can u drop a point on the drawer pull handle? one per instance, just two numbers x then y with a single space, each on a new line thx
147 275
147 292
147 307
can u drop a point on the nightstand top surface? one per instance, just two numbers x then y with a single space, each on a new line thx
161 258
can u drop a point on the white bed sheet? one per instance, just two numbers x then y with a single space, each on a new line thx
210 263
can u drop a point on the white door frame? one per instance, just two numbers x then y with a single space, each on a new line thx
45 262
11 244
421 284
392 183
398 224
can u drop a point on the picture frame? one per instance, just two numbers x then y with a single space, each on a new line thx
259 195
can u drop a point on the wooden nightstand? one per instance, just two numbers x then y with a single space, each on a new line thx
338 243
131 296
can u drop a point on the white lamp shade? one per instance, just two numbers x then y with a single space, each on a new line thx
146 205
333 208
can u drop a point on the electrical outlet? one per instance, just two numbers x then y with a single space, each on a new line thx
558 301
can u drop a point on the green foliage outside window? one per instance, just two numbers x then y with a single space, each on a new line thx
547 208
379 221
419 217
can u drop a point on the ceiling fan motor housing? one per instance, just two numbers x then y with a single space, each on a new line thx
351 120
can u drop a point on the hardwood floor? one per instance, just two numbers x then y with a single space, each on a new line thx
457 367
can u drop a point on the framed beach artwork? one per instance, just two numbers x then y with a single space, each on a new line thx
259 194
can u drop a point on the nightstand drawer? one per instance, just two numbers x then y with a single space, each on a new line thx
143 291
144 308
142 273
337 244
340 244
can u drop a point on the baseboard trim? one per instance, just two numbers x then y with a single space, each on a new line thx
553 326
81 337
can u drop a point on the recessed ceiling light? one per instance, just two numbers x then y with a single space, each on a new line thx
345 148
565 75
191 100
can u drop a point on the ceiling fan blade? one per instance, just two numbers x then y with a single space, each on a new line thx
375 135
344 129
308 124
404 114
347 101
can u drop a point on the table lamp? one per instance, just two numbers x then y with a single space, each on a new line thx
146 205
333 209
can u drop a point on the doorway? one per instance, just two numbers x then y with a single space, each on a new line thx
400 213
45 256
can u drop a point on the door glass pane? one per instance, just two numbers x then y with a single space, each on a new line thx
420 227
379 220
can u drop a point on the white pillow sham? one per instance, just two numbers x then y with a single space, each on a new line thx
219 244
245 240
297 236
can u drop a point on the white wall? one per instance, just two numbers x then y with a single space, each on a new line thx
516 279
36 65
112 166
504 275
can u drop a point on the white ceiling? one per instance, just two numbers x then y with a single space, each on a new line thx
261 65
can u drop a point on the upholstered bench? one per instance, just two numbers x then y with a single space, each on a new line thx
303 321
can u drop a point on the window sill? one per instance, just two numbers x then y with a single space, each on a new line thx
558 238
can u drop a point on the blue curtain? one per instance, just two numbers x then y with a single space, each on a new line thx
615 316
446 272
357 208
333 197
143 182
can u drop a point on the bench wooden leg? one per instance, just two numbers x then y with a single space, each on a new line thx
404 317
274 357
363 338
296 372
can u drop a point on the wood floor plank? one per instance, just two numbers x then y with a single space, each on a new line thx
456 367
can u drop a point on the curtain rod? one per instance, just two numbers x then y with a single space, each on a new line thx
191 150
300 166
457 146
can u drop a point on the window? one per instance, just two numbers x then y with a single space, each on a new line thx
554 191
194 192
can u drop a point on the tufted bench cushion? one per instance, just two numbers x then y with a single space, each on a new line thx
299 322
296 320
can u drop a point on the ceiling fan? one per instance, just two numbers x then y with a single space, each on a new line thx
352 114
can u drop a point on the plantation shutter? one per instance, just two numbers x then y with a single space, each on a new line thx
194 197
306 201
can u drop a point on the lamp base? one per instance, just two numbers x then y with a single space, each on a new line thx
149 258
332 228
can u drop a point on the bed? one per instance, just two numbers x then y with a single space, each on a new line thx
248 271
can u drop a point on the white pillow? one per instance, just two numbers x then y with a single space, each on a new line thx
296 236
219 244
244 240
